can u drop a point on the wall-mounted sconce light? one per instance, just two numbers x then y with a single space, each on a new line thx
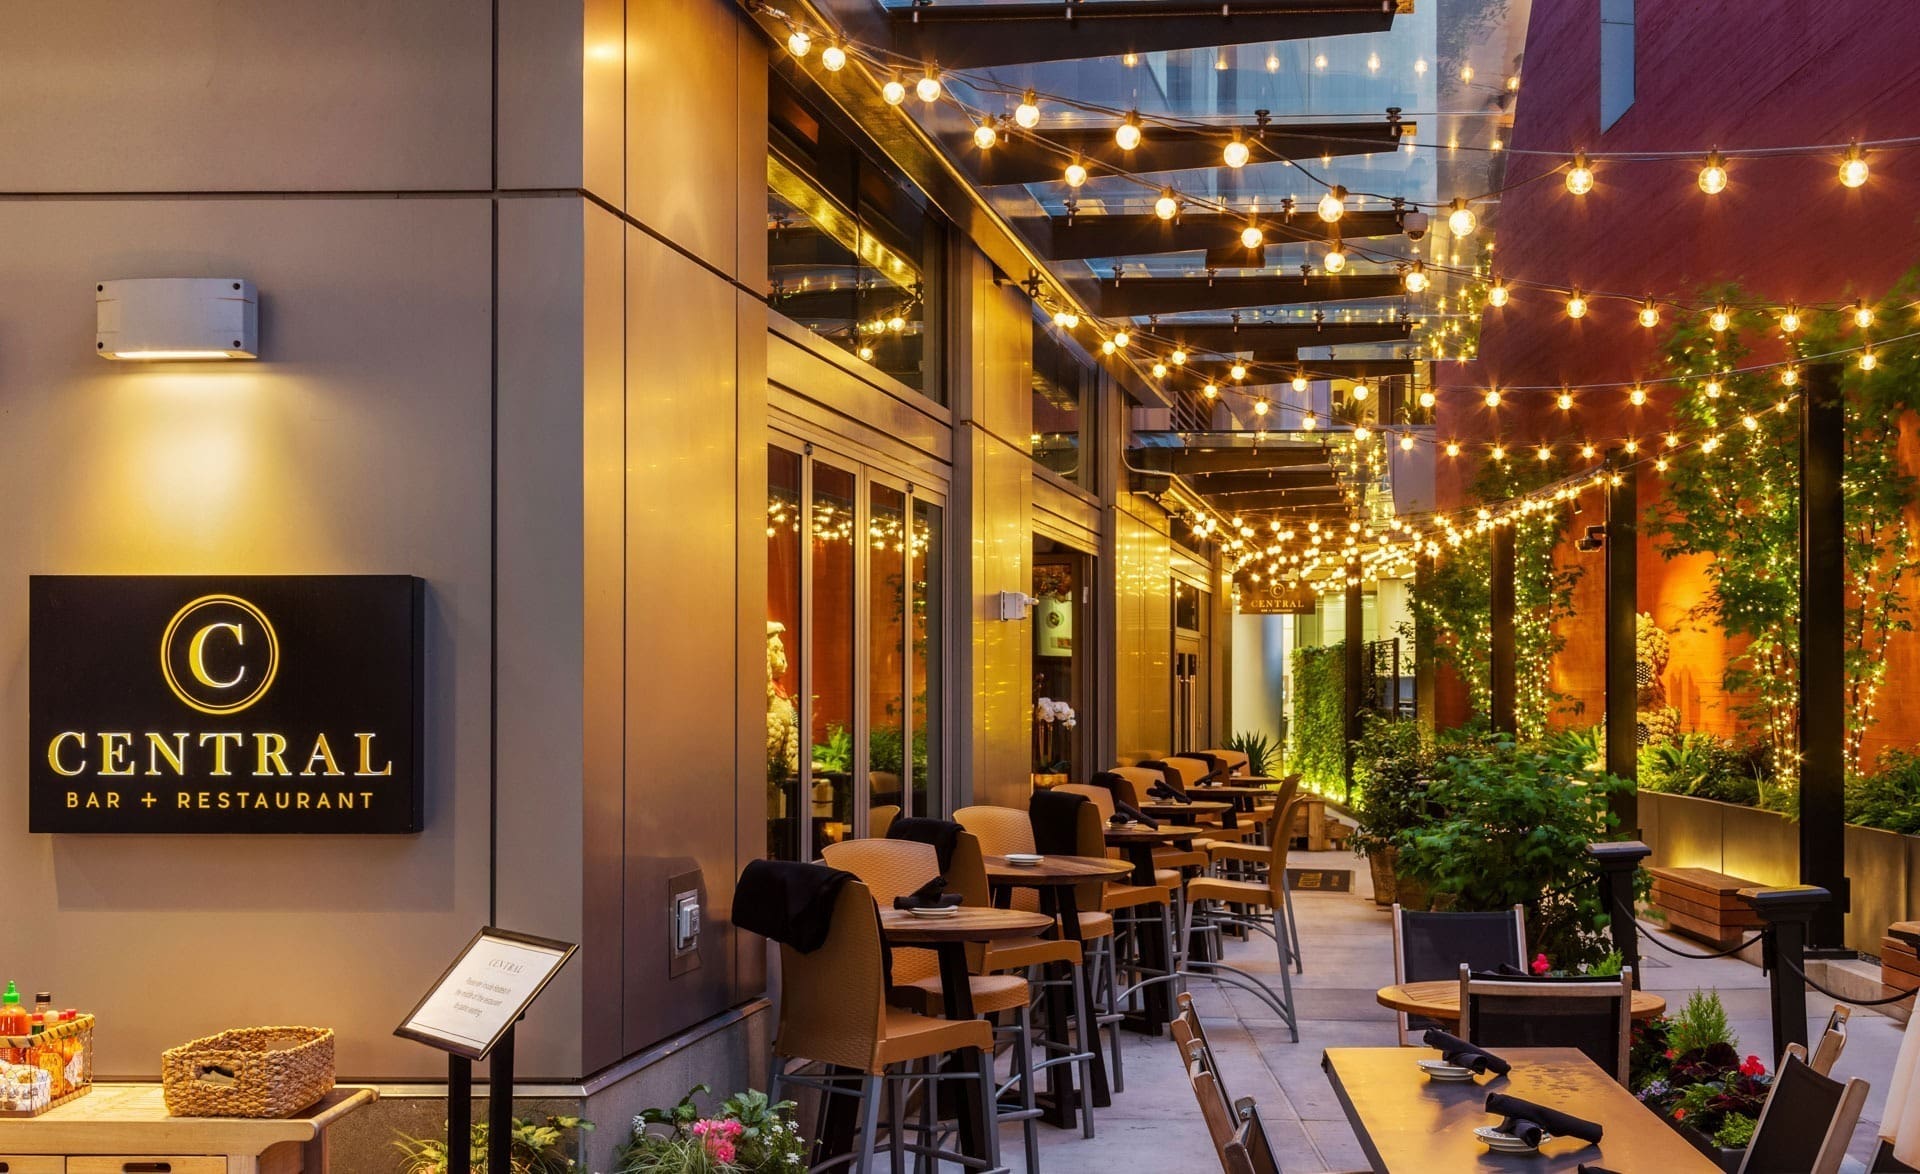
158 319
1596 537
1013 605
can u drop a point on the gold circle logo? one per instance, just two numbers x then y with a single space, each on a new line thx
219 654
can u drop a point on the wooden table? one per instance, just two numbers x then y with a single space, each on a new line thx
1408 1123
1056 878
948 937
1173 807
1441 1000
120 1124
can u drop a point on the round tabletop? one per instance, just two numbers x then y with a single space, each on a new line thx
1236 790
1139 833
1441 1000
1055 870
973 923
1197 807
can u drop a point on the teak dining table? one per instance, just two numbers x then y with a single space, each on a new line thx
1408 1123
1441 1000
1055 878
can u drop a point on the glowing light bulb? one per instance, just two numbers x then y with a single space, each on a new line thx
1586 450
1713 389
834 57
1426 399
1466 73
1159 370
1749 423
1273 64
1066 319
1543 453
1853 172
1576 305
1790 376
895 91
1673 441
1130 59
799 43
1179 357
896 324
1260 406
1862 315
1300 381
1649 314
1497 296
1167 206
1121 338
1461 221
1709 444
1790 320
1361 391
1493 397
1420 66
1720 319
1453 448
1867 360
1252 237
1237 372
1107 347
1373 63
1579 176
1076 174
1499 452
1406 442
1211 390
984 136
1565 402
1309 423
1416 278
1320 61
1336 259
866 352
1127 135
1236 153
1713 177
1637 397
1027 113
1333 205
1630 447
928 87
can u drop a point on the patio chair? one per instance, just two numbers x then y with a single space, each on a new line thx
1833 1040
1592 1014
1166 860
1236 760
1430 947
1807 1121
1251 904
833 1011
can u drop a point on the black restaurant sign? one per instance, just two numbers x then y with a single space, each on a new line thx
232 704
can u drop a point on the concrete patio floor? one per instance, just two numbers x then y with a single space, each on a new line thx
1347 946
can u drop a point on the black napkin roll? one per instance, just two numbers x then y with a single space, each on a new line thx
1134 814
932 895
1455 1050
1590 1168
1162 791
1540 1117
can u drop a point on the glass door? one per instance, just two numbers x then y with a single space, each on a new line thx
1061 669
854 601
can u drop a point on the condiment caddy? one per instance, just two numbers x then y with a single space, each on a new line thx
46 1055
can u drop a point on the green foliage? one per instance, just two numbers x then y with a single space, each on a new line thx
1889 798
545 1148
1455 603
1701 1024
1735 1132
1319 727
1609 965
837 753
1589 743
749 1134
1262 754
884 751
1703 766
1739 505
1392 763
1511 826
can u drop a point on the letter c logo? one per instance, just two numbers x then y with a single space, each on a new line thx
197 655
219 654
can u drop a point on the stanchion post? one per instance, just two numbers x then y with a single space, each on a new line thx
459 1114
1786 915
1619 861
500 1104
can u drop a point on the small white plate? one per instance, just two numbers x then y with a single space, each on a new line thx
1024 859
1506 1142
939 912
1441 1070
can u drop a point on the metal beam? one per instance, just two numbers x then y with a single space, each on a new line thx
1252 480
1129 297
1277 341
1505 711
1622 624
1219 369
1276 499
968 36
1823 669
1087 237
1022 157
1200 462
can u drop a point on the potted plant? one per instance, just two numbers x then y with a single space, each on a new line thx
1053 723
1392 763
1689 1071
747 1134
546 1148
1262 754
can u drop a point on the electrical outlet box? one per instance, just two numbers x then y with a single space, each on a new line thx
686 899
1013 605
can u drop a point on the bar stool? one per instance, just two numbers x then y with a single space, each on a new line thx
833 1011
1257 904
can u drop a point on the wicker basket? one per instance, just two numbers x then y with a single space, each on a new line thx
65 1051
251 1072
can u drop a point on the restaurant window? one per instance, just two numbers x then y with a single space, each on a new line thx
1063 405
1060 659
854 252
853 651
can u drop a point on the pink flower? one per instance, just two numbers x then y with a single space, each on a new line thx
1540 964
1670 1053
1752 1066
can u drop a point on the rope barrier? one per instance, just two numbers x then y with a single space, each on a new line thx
1648 931
1849 1000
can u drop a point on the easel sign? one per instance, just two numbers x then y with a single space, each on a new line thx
469 1013
482 995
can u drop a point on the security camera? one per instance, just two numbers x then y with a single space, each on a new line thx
1415 225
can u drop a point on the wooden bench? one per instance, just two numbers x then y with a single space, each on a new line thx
1900 956
1704 904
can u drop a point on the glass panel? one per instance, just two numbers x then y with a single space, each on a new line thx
1186 607
928 567
1062 384
784 809
832 529
1055 628
887 646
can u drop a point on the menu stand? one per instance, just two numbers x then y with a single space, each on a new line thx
470 1013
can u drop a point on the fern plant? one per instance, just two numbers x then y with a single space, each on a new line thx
1262 754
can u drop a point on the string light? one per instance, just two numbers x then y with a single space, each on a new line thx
1308 423
1720 319
1027 114
1748 422
1336 258
1360 433
1790 376
1867 360
1406 442
1179 357
895 91
1579 176
1252 237
1790 319
1576 305
1565 402
1709 444
1361 391
1128 135
984 136
928 88
1497 294
1543 453
1499 452
1630 447
1862 315
1159 370
1416 278
799 43
1260 406
1236 153
1649 314
1167 206
1299 380
1853 172
1333 205
1237 372
1211 390
1713 389
1638 396
1121 338
1453 448
1076 174
1461 221
1066 319
834 57
1713 177
1426 399
1493 397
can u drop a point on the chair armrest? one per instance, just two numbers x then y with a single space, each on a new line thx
1252 853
